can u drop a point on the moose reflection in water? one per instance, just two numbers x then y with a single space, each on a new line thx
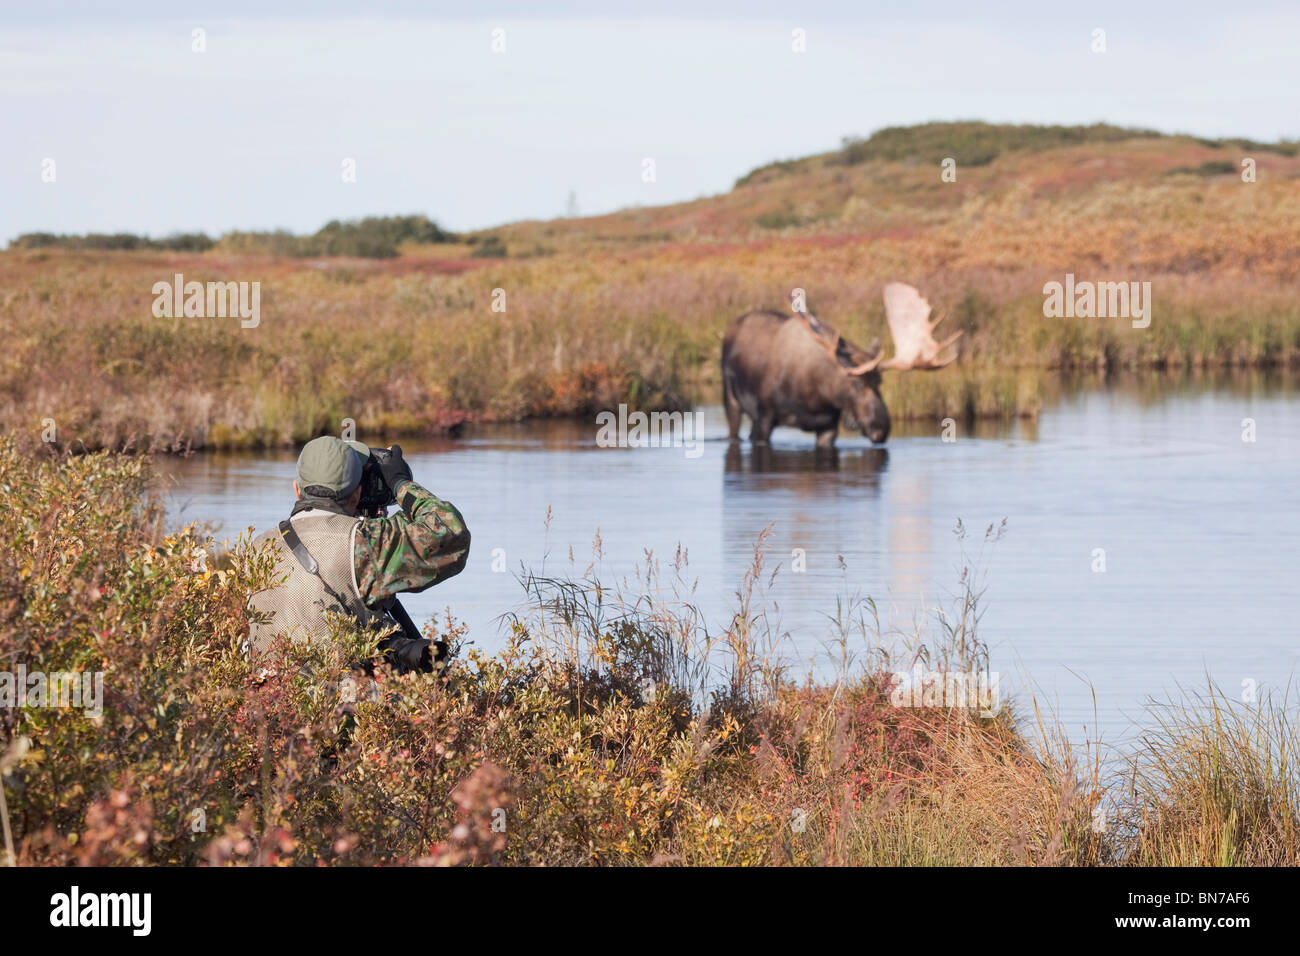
864 463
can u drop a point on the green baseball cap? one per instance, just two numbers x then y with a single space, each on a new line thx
332 463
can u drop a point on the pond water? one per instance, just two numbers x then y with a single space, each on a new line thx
1199 532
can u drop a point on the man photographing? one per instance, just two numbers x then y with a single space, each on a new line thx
338 551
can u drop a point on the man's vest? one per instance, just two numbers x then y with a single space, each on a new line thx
298 605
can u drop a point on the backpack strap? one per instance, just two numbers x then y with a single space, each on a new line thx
294 544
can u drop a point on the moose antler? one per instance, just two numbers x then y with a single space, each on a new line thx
912 331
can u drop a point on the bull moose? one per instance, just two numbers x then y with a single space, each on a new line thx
796 370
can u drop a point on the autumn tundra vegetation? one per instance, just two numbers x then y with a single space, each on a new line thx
614 725
408 329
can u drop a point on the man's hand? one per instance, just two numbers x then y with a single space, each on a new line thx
395 470
408 654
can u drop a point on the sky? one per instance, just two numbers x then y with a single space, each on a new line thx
149 135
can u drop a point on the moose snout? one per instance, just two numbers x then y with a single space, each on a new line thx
877 423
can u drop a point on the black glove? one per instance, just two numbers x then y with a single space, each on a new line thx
395 470
408 654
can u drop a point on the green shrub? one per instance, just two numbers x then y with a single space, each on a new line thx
1213 167
974 143
180 242
375 237
490 248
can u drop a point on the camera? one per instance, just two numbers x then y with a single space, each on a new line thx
376 496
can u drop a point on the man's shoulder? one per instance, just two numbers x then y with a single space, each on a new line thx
311 520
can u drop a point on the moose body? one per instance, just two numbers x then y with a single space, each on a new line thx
797 371
777 374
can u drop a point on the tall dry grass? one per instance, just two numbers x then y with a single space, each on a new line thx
1215 782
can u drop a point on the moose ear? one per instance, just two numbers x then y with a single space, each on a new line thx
851 354
855 361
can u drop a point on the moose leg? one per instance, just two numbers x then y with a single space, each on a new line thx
826 438
732 406
762 429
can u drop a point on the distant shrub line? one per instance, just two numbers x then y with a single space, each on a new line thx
978 144
374 237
